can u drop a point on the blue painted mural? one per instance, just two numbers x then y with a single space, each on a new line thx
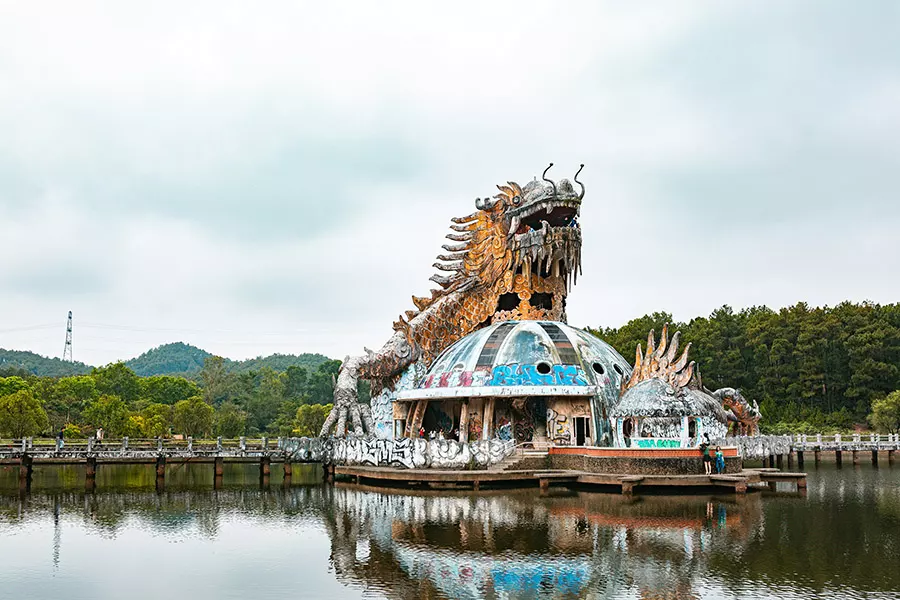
516 374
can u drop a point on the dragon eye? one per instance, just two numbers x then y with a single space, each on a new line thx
517 200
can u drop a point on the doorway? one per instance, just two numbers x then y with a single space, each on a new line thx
582 430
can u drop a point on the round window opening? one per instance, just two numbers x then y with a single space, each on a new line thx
598 368
618 369
543 368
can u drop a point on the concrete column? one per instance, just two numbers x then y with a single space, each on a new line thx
790 459
264 468
853 453
288 470
772 461
816 457
890 457
219 466
25 469
780 461
476 485
90 467
545 486
837 458
464 421
488 421
160 466
800 458
874 458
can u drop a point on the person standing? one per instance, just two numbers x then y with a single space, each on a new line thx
707 459
59 438
720 460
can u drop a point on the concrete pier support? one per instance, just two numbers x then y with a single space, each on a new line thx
890 457
790 459
328 473
816 457
780 461
874 458
837 458
90 467
772 461
219 466
160 473
25 472
265 466
476 485
544 484
288 470
853 453
800 458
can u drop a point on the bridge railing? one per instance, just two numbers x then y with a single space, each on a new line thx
126 444
860 441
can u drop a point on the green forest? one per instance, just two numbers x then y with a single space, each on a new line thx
218 401
811 370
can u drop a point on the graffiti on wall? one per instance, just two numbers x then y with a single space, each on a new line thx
516 374
558 428
655 443
511 374
475 427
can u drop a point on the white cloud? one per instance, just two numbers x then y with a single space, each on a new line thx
256 180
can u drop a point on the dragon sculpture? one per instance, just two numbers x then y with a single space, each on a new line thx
678 378
513 258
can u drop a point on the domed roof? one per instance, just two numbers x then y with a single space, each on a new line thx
524 358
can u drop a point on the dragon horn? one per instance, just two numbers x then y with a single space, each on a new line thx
581 195
544 177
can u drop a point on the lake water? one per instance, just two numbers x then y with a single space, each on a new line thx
308 540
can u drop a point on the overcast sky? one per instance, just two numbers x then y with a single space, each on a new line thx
278 177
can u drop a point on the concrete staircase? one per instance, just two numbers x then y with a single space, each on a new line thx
524 458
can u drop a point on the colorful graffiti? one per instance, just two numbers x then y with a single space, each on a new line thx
656 443
475 427
558 428
516 374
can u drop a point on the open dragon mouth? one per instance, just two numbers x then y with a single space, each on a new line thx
546 240
556 214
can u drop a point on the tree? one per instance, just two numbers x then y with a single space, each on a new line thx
21 415
885 415
264 403
216 380
310 418
10 385
167 389
117 380
193 417
157 419
71 394
109 412
230 420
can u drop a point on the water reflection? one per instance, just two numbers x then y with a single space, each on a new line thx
839 541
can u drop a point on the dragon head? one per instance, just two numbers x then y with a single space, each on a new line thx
540 222
512 259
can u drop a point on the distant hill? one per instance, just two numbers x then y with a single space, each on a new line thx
177 358
278 362
168 359
183 359
39 365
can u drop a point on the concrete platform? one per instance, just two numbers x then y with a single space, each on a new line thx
739 483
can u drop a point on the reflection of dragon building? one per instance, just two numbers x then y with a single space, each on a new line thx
488 355
511 546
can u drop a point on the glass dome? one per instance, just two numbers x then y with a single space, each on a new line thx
524 358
